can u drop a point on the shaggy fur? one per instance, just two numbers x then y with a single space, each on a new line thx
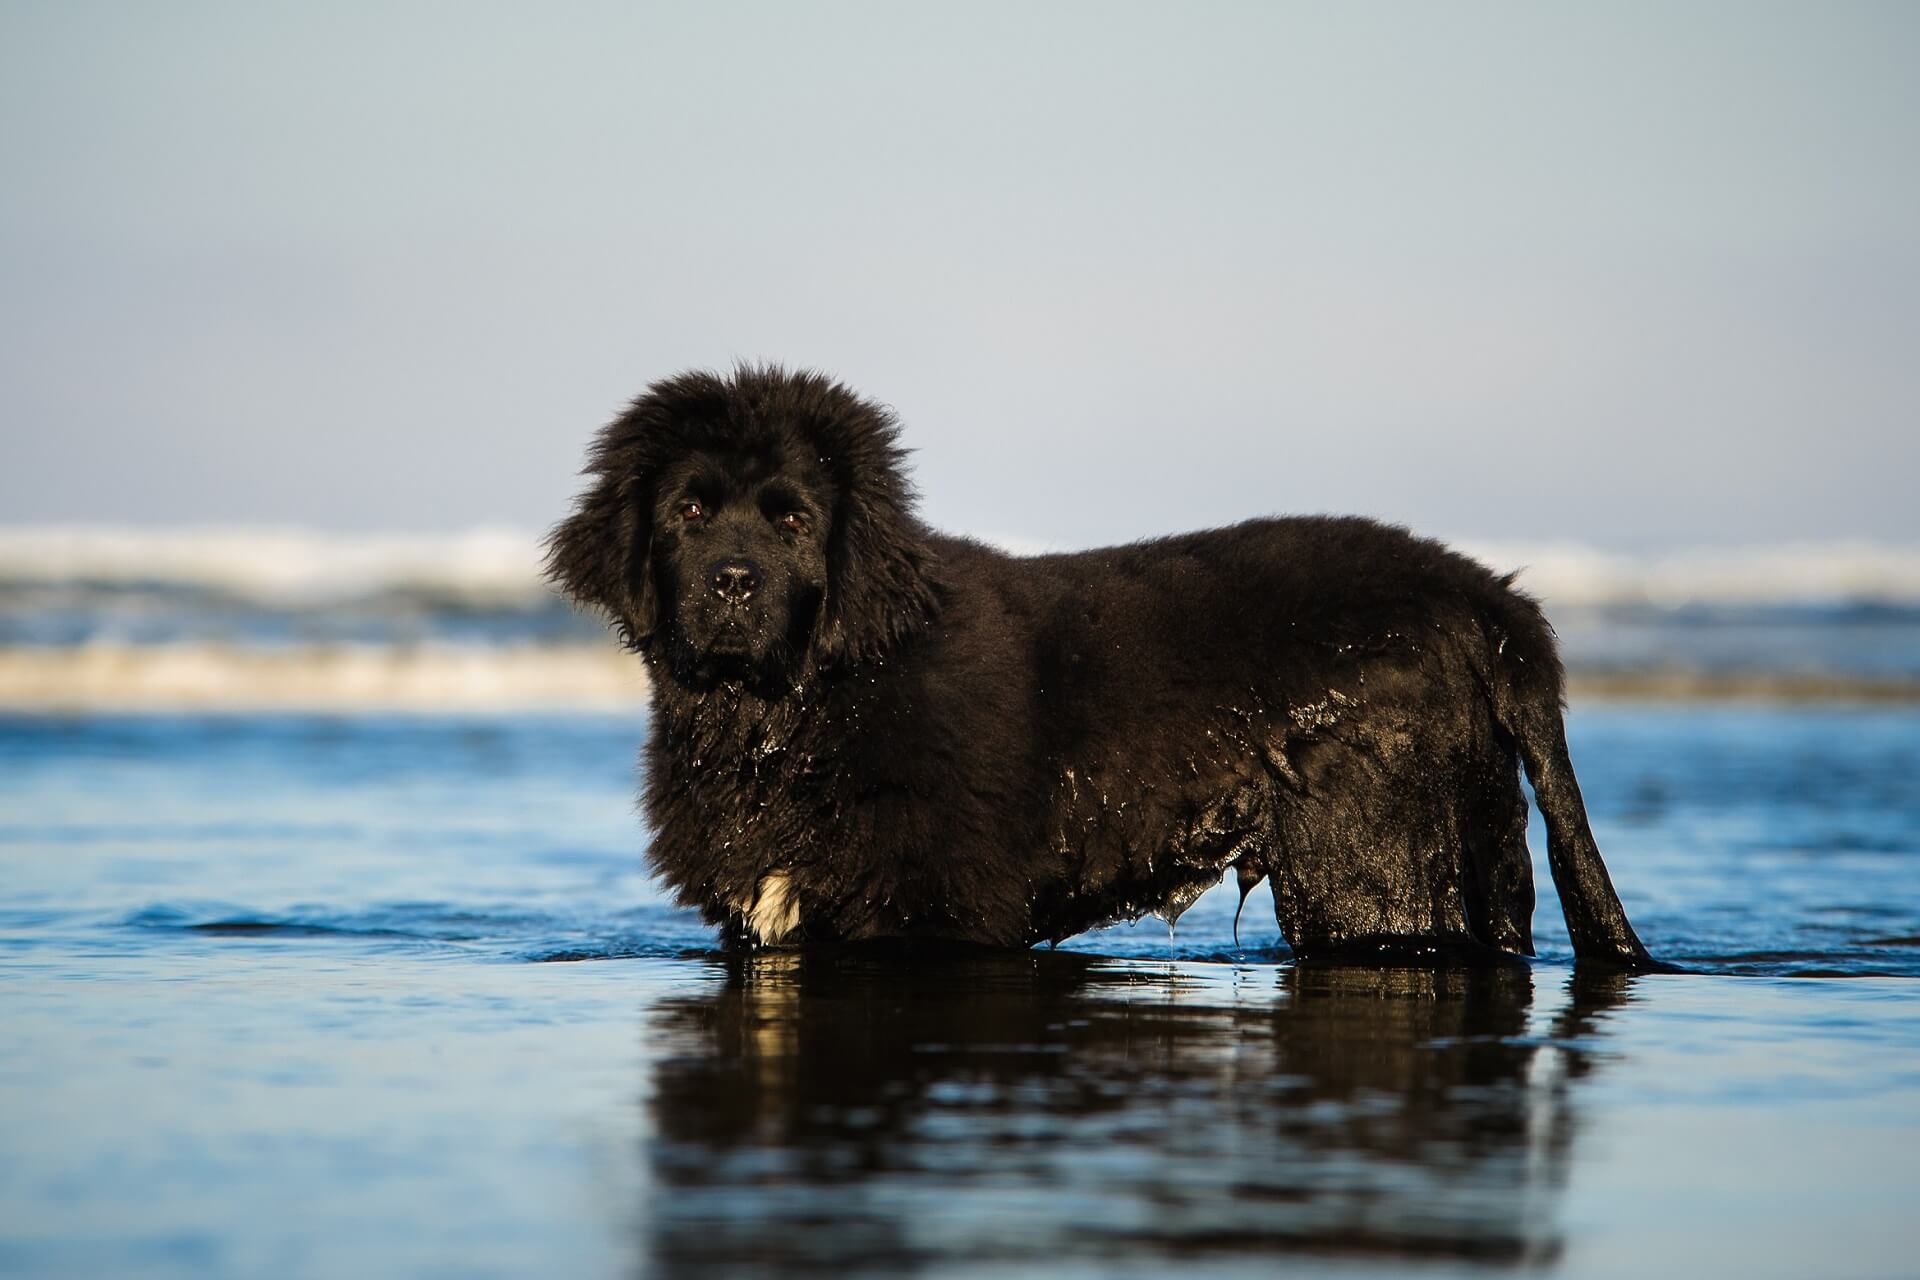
863 729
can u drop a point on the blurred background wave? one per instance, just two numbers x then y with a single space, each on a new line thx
207 617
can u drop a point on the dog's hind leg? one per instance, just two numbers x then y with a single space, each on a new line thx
1500 896
1369 851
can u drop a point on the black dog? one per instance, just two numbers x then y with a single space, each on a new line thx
863 729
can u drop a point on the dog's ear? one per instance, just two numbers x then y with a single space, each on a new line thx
602 554
880 565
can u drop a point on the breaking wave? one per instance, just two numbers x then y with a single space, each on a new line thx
1814 574
279 565
265 617
500 567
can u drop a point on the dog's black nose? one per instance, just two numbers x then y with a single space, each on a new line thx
734 580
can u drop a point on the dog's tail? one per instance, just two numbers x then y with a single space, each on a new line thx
1529 691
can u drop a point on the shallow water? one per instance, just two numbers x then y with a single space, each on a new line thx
331 995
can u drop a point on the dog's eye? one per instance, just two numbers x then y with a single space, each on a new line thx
794 522
691 510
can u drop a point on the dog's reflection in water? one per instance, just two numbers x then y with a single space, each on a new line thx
886 1112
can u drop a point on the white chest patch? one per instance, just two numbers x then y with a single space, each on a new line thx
775 912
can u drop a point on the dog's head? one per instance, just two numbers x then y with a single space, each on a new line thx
753 527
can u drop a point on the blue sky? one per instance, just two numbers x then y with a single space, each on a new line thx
1638 275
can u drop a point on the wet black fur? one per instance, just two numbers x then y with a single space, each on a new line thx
932 738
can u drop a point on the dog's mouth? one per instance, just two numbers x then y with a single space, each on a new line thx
730 644
732 635
730 651
711 644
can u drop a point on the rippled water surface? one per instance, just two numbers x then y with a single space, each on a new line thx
391 996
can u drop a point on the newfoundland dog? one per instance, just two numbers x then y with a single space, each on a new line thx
864 729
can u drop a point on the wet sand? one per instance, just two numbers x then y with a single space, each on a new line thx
452 678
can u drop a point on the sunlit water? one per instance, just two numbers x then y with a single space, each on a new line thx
372 996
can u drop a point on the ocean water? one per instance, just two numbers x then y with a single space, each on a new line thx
353 994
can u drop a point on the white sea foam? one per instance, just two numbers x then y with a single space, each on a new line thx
281 565
501 565
1801 574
